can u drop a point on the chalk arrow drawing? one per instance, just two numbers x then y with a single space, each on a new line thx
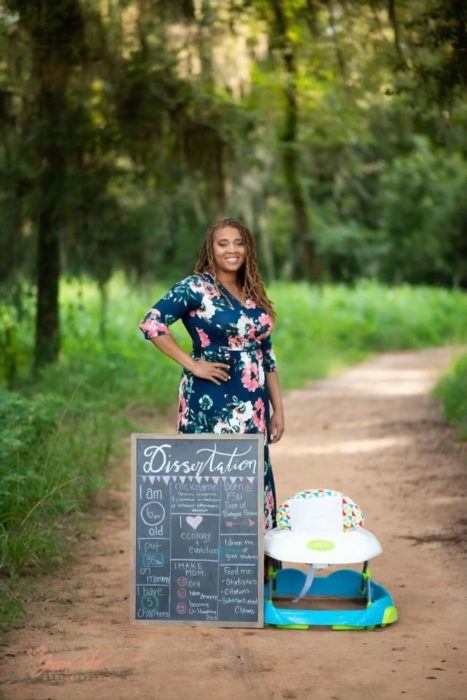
231 523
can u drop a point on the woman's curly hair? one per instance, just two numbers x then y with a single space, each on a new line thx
248 276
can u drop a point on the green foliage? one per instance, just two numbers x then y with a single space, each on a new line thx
28 421
59 431
169 119
348 251
414 230
424 214
53 451
452 391
10 345
58 434
322 328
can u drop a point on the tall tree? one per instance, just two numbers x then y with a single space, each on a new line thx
302 259
56 32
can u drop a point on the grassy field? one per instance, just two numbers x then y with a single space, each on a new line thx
60 430
452 392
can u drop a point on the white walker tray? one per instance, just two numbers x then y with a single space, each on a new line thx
322 528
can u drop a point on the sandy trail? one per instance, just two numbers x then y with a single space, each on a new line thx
372 432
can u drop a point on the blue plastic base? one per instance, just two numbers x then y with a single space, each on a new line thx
345 583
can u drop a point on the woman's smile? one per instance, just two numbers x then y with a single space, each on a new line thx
229 250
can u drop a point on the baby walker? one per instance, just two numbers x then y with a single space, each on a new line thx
322 528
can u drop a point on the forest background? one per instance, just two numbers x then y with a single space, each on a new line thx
335 129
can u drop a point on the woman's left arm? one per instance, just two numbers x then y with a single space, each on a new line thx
277 418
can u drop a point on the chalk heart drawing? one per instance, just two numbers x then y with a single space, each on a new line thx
194 521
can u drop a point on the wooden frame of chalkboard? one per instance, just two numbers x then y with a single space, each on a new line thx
197 525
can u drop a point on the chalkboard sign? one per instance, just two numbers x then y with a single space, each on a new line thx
197 529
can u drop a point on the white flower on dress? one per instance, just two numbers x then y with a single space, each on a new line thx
207 309
237 421
246 327
241 414
259 360
222 427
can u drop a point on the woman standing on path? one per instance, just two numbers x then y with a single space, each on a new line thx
231 376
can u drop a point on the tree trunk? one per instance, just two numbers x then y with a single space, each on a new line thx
56 35
104 299
47 344
52 81
391 7
337 48
302 260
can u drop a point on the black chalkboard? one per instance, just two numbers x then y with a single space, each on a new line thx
197 529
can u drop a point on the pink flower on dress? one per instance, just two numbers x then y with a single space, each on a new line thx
203 337
183 409
206 288
259 415
268 510
182 419
250 304
266 320
236 342
269 501
152 325
250 373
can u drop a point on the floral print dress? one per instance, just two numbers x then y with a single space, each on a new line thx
222 330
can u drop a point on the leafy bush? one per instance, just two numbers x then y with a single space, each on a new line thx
452 390
422 195
52 455
400 220
15 343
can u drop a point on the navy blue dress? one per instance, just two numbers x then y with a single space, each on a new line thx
222 330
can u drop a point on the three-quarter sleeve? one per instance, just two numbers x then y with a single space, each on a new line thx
179 300
269 356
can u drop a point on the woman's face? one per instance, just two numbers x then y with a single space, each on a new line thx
229 249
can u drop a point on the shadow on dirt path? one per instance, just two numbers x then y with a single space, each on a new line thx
372 432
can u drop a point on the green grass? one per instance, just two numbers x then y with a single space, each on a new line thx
452 391
318 330
53 461
60 430
322 329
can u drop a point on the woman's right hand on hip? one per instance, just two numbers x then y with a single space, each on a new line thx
212 371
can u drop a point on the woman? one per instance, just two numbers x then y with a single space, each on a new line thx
231 376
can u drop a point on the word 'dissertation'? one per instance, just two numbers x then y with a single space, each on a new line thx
197 531
209 460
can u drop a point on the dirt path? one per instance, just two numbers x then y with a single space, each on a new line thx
372 432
